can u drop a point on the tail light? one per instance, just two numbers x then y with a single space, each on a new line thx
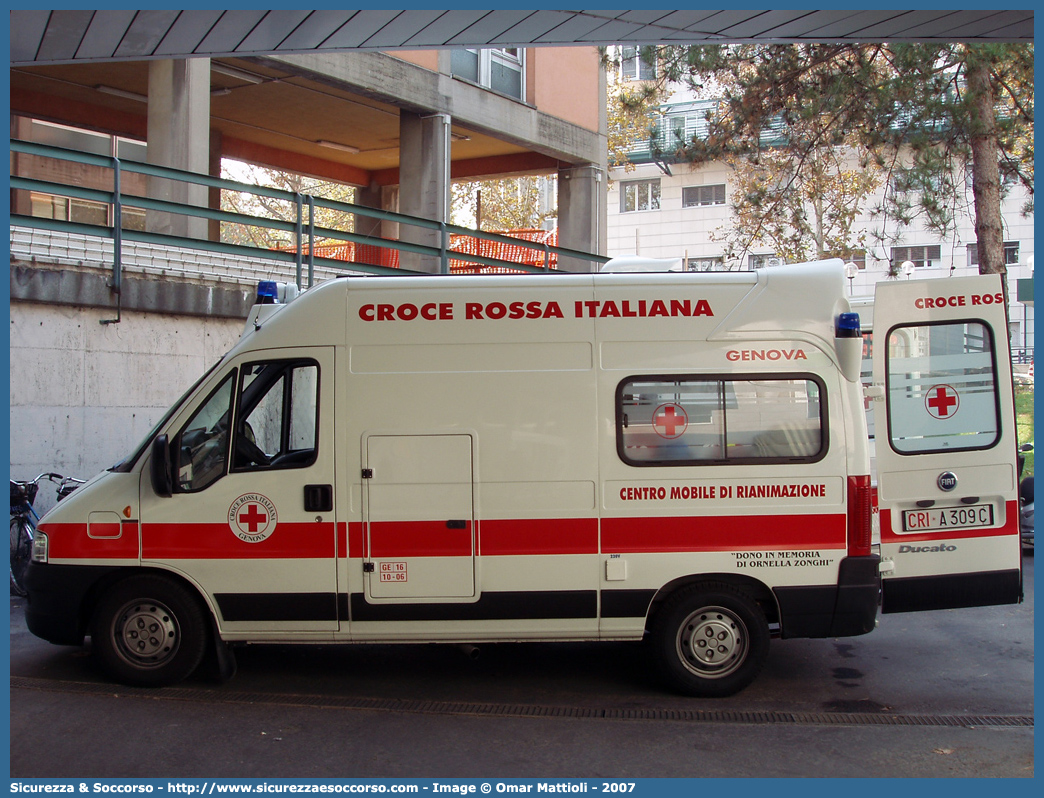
860 516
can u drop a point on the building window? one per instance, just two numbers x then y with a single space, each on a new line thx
505 71
634 67
70 138
760 261
774 131
858 257
715 264
926 256
52 206
500 69
640 195
693 196
48 206
677 126
1011 253
908 181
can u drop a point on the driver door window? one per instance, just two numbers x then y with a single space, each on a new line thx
202 444
278 416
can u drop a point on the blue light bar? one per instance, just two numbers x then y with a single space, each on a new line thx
847 326
267 293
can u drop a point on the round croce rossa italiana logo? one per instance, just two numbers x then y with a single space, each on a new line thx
252 517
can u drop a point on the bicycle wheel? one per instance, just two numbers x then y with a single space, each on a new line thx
21 552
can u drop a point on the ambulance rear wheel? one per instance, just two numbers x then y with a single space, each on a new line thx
149 631
710 640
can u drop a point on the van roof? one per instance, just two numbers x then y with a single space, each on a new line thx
801 300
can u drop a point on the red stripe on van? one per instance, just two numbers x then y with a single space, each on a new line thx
356 539
723 533
70 542
508 537
419 539
538 536
1011 527
289 540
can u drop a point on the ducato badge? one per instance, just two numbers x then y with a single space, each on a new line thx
947 481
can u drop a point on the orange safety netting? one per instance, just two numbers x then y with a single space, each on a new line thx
372 254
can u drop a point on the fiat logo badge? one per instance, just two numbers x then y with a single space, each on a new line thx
947 481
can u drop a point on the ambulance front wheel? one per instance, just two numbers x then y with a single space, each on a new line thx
710 640
149 631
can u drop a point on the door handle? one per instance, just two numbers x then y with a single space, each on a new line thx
318 498
457 524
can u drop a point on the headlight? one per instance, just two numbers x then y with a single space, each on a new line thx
39 547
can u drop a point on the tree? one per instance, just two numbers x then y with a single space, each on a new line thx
506 204
942 119
802 204
265 207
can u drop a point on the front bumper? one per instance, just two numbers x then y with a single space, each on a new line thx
61 599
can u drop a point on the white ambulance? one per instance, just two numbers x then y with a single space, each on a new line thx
680 458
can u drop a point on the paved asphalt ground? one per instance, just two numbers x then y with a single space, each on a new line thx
941 694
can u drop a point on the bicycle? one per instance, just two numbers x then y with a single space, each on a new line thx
24 520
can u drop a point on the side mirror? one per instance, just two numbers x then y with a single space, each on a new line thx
162 478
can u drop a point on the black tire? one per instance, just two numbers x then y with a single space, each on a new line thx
149 631
709 640
21 553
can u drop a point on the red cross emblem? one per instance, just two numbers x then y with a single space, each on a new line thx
252 517
942 401
670 420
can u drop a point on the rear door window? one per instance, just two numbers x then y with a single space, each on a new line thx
942 388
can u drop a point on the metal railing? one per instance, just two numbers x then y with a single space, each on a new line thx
306 234
1022 354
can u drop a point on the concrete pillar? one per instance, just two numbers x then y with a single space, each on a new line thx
581 214
424 181
179 137
385 198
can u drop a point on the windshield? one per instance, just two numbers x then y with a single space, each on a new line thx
127 463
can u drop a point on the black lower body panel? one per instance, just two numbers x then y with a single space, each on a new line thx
951 591
846 609
490 606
